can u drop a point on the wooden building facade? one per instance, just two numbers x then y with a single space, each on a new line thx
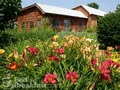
63 19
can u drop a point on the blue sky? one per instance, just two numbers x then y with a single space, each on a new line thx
105 5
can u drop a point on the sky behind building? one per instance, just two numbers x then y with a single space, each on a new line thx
105 5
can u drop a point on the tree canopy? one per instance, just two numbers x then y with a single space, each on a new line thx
108 29
117 8
8 12
93 5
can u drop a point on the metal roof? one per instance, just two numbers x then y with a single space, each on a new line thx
61 11
93 10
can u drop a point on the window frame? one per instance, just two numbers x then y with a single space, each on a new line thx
39 23
23 25
55 23
81 24
67 24
32 25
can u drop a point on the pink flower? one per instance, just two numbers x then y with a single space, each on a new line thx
111 63
94 61
105 64
103 69
50 78
118 47
59 50
33 50
72 76
105 76
105 73
53 58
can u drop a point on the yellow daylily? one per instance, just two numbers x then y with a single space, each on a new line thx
116 60
110 48
10 55
2 51
56 37
27 46
70 42
55 44
63 56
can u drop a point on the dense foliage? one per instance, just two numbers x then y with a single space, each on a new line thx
59 63
117 9
93 5
91 30
9 37
8 12
109 29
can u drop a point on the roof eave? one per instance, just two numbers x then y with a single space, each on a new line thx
97 15
66 15
76 7
31 6
87 11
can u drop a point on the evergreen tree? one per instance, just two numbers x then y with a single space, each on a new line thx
8 12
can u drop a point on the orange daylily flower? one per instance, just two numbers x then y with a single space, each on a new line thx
13 66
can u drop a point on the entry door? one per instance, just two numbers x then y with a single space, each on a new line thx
67 24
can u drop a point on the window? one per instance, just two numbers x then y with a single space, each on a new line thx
67 24
55 23
81 24
15 25
39 23
31 24
23 25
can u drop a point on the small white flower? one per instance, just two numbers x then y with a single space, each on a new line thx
88 39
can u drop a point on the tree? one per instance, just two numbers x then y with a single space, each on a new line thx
93 5
8 12
108 29
117 8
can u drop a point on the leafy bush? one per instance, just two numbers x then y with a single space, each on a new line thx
91 30
46 23
108 29
7 39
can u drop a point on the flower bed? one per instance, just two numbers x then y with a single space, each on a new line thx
62 63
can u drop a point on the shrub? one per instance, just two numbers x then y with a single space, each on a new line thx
91 30
6 39
108 30
46 23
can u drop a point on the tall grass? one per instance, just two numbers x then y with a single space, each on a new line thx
79 34
11 40
9 37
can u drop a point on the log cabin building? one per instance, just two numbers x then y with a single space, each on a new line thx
80 17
